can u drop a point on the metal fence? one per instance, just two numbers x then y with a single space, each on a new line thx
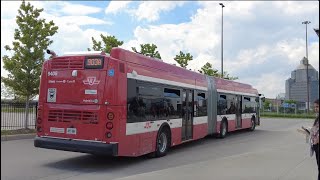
13 115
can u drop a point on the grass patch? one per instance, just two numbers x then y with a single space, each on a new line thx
17 110
281 115
17 131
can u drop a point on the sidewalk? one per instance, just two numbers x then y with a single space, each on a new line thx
17 137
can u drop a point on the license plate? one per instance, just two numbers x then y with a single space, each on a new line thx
71 131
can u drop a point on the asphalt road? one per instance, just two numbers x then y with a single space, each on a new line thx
274 150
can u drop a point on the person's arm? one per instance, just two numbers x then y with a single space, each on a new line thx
303 131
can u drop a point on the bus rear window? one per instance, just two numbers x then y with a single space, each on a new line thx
93 62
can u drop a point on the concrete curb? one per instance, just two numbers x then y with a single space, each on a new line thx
17 137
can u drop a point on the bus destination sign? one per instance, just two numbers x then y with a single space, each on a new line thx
93 63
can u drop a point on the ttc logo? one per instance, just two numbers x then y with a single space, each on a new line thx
147 125
91 81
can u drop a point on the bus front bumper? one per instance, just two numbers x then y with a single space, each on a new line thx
77 146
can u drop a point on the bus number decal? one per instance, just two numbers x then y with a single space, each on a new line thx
53 73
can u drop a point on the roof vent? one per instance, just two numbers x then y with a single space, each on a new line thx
86 53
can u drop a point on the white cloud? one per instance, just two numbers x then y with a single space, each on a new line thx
234 9
269 84
263 41
9 9
314 55
81 20
70 36
146 10
7 31
201 60
116 6
78 9
261 47
274 64
296 7
62 8
295 51
129 44
150 10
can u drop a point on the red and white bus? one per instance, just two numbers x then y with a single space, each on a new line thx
127 104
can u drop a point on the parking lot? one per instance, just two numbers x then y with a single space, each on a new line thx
274 150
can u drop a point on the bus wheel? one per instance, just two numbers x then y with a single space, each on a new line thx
253 124
162 145
223 129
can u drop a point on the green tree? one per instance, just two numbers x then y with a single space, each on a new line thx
108 43
148 50
31 38
182 59
210 71
266 104
227 76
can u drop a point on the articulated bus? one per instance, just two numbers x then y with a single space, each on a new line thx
128 104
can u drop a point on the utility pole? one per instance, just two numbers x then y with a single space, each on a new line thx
222 6
308 93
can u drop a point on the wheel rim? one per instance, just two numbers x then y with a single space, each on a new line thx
252 124
162 142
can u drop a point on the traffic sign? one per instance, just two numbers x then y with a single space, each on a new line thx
285 105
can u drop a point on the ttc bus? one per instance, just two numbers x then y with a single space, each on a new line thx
128 104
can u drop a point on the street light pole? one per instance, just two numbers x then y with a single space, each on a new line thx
222 6
308 99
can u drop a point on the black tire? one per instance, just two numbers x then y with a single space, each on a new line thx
223 129
253 124
162 143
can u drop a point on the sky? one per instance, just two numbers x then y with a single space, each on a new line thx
263 40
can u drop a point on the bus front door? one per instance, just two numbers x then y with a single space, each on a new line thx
187 114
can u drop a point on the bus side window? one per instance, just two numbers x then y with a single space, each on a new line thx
153 106
201 104
231 104
132 106
172 100
246 105
222 105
